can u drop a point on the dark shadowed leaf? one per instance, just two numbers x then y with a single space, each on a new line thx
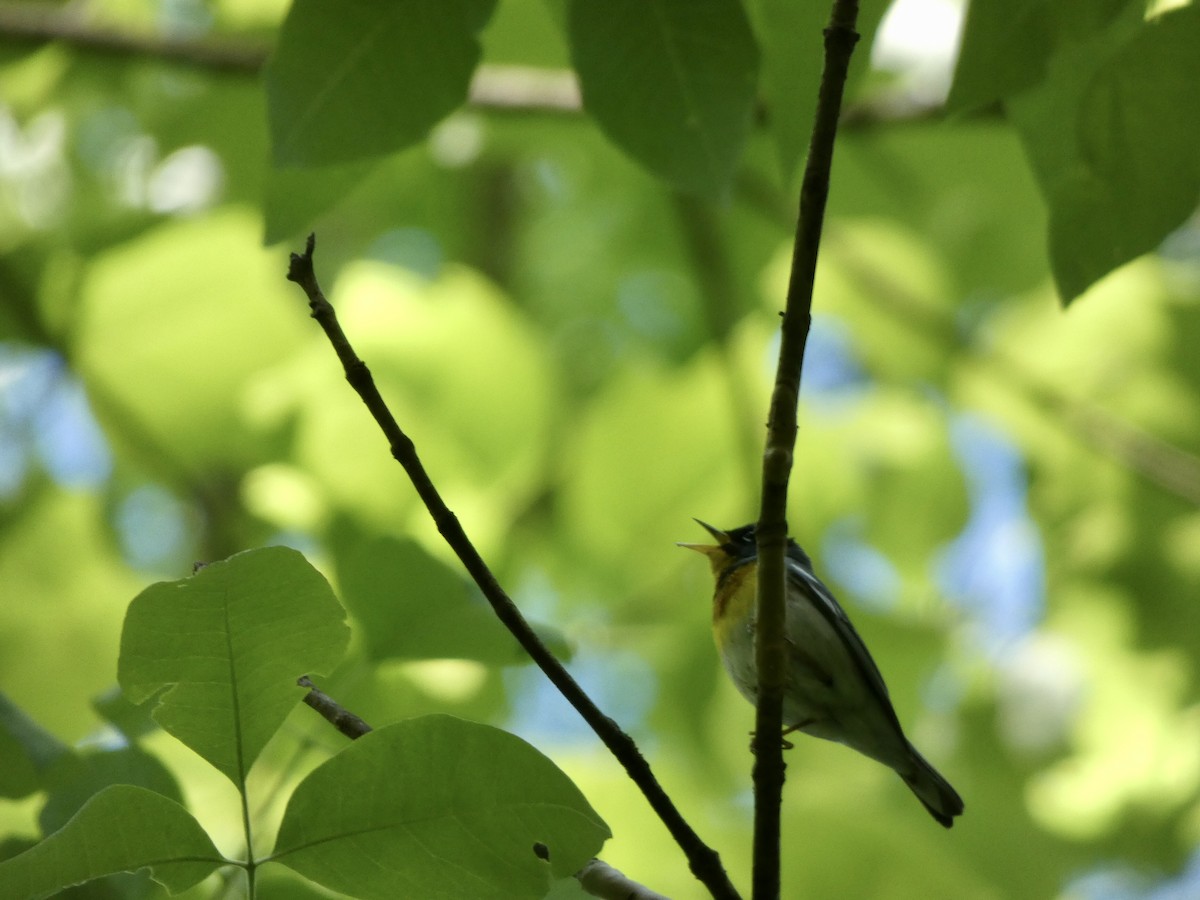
1117 162
26 750
76 779
356 79
672 82
1006 44
411 605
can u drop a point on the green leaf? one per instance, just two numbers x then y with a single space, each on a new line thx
122 829
27 751
132 721
672 82
356 79
1117 162
791 40
1007 44
78 778
437 807
227 645
140 351
793 54
413 606
295 198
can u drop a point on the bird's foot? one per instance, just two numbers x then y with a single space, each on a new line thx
784 742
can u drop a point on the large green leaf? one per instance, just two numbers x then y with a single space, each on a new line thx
1007 44
27 751
227 646
140 351
438 807
355 79
122 829
1118 163
672 82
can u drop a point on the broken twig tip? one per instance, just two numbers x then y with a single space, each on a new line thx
300 265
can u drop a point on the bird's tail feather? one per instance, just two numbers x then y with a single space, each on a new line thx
932 789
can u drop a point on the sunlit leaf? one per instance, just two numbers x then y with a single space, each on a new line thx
435 349
441 808
225 648
141 348
121 829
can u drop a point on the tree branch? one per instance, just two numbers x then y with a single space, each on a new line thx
39 24
772 532
332 712
517 89
502 88
704 861
600 879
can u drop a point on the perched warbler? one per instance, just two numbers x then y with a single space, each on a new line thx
833 689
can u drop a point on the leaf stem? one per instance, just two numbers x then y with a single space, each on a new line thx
251 865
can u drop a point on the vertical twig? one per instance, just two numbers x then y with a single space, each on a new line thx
840 38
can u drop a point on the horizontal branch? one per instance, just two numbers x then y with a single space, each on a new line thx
507 88
333 712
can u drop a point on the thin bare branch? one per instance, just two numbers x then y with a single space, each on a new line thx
600 879
771 656
703 860
332 712
515 89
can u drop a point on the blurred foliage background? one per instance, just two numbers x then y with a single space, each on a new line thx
1002 489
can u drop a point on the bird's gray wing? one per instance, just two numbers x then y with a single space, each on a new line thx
802 578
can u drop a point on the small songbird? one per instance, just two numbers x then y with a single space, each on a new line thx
833 690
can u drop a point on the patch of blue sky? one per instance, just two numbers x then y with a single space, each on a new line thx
69 442
832 371
154 530
620 683
995 569
45 416
865 572
298 541
1118 882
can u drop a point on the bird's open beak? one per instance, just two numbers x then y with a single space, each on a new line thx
718 535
